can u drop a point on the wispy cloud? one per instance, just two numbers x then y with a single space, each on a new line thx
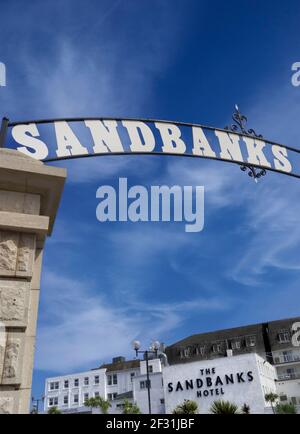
81 328
272 214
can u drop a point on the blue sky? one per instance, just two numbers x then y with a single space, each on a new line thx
106 284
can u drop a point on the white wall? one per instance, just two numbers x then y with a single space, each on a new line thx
249 392
71 390
290 388
156 394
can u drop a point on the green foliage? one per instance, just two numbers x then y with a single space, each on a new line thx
187 407
130 408
245 409
98 402
271 398
224 407
286 409
54 410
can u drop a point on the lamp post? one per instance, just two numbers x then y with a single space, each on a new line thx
136 345
36 403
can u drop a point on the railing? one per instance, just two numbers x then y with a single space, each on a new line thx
286 358
289 376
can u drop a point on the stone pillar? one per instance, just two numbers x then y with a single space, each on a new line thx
30 193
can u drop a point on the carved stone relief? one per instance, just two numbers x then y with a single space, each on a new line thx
16 254
11 360
14 302
6 405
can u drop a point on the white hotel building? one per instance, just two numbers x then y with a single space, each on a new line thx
198 369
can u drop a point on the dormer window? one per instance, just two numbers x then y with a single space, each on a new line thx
251 341
187 352
200 351
217 347
236 345
284 336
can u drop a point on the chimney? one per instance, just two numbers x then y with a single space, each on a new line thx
118 359
229 353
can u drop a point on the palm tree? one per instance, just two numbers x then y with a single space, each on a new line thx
130 408
54 410
245 409
98 402
187 407
224 407
271 398
286 409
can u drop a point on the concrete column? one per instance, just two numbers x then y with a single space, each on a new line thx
30 194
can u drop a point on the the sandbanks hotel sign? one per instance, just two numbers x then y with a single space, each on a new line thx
210 384
61 139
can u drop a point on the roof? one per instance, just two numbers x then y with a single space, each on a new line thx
231 332
125 395
121 366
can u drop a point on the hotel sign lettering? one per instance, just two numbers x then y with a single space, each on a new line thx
210 384
61 139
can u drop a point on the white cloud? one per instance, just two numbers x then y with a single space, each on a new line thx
79 329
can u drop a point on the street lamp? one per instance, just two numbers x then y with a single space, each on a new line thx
35 404
136 345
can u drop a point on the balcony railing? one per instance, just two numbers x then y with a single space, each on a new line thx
289 376
286 358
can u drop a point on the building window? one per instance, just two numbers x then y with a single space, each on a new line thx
284 336
66 384
235 345
112 379
162 401
76 382
200 351
143 384
66 399
54 385
291 373
111 396
251 341
76 399
187 352
85 397
53 401
86 381
96 394
217 348
287 356
97 379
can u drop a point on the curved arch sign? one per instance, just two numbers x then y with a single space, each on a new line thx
60 139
